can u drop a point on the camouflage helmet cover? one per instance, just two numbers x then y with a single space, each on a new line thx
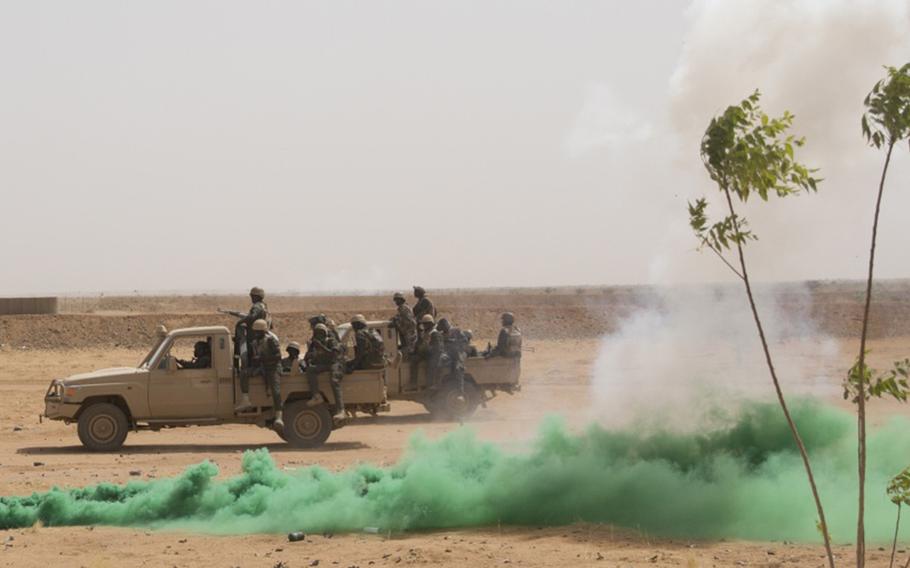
260 325
359 319
427 318
508 318
293 345
419 291
321 327
257 291
398 296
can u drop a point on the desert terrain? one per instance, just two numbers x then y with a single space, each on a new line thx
563 330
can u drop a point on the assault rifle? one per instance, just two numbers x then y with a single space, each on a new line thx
235 313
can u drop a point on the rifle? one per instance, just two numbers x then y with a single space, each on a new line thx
235 313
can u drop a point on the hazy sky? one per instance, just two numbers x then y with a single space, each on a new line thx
362 145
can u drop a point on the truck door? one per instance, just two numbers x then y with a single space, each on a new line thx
182 385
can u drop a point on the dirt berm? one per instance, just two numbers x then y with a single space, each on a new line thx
831 308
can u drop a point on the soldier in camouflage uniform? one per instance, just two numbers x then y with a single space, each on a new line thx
369 349
259 309
265 354
291 364
330 325
406 324
423 306
508 344
422 348
453 349
323 354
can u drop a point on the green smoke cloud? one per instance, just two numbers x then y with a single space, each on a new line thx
738 478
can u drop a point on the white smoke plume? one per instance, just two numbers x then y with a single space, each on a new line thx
817 58
697 347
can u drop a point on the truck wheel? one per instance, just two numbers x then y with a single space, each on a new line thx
450 403
103 427
306 426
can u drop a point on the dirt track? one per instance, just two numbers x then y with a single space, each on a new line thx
556 375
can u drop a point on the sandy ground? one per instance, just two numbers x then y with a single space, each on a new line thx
556 377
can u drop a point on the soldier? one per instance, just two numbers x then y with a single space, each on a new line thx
259 309
288 363
266 355
424 305
324 354
452 343
369 349
202 357
422 348
329 323
508 344
406 324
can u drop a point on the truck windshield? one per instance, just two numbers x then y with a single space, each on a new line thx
151 354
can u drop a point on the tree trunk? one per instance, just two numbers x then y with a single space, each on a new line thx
897 526
861 402
777 388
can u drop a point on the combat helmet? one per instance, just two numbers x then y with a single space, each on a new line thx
260 325
257 291
398 296
321 327
427 318
419 291
359 319
508 318
293 345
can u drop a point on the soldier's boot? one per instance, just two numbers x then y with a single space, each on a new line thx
244 403
279 423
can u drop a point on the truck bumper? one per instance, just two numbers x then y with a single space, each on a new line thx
59 410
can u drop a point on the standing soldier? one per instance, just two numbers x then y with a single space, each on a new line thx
453 346
369 349
259 309
508 344
291 363
422 348
266 355
406 324
423 306
324 354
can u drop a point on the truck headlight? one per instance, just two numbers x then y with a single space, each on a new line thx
55 390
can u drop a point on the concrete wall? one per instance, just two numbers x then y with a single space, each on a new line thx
28 305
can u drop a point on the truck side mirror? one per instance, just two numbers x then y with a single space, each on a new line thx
171 364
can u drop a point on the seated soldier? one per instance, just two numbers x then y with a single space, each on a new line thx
369 349
202 357
292 363
508 344
451 345
324 354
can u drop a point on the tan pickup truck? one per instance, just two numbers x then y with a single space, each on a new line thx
158 393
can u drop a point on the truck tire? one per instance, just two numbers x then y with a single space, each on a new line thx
103 427
306 426
449 403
